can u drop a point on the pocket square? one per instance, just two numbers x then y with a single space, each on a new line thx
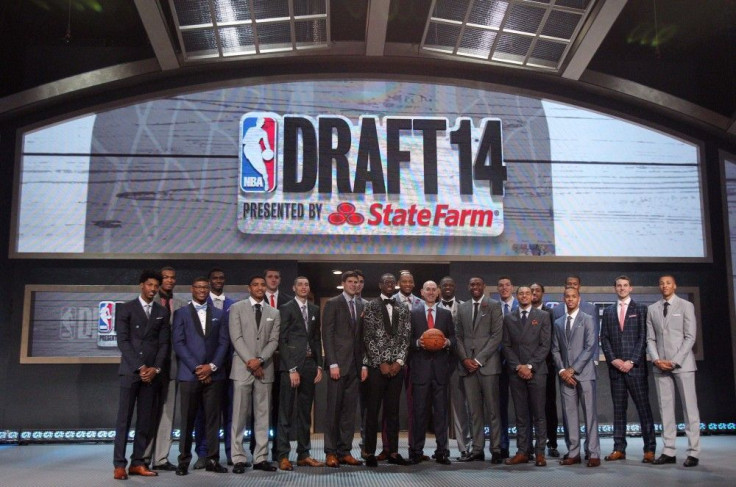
632 316
215 319
677 314
269 319
159 317
312 318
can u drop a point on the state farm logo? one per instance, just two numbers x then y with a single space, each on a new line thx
346 214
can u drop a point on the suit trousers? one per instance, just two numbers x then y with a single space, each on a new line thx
435 394
621 386
685 382
193 395
460 414
482 394
342 401
550 406
583 393
503 404
159 446
200 429
529 399
142 397
255 396
386 391
300 398
363 408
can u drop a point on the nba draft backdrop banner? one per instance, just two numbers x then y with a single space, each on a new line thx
357 168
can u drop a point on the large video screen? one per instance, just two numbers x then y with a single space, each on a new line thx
370 168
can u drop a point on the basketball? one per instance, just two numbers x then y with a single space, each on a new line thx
434 340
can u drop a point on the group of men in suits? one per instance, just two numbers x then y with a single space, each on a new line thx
372 349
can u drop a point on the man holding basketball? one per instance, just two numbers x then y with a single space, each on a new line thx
430 372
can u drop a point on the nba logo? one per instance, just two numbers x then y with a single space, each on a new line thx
258 152
106 324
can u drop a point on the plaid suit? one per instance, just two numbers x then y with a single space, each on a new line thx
629 344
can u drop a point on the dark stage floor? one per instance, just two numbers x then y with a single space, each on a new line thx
82 465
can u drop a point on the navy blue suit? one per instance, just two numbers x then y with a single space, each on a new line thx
629 344
430 375
195 347
142 341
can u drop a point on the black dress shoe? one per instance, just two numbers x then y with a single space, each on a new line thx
496 458
240 467
182 469
443 460
690 462
553 452
265 465
200 463
474 457
504 453
664 459
230 462
463 454
370 461
168 466
397 459
214 466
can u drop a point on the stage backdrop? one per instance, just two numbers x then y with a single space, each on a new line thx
329 168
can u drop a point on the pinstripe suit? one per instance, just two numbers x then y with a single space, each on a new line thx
629 344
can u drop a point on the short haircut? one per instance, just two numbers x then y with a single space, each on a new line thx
574 276
387 276
254 277
505 277
523 286
571 287
537 284
213 270
301 277
167 268
359 273
270 270
667 275
348 274
201 279
406 273
150 274
446 278
623 278
477 277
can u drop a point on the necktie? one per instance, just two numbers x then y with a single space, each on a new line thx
622 315
305 315
273 301
218 303
352 311
147 308
568 327
165 303
475 311
448 303
505 309
523 318
430 319
666 305
259 313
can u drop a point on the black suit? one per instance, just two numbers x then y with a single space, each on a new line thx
430 375
341 336
550 403
300 344
528 343
142 341
279 300
629 344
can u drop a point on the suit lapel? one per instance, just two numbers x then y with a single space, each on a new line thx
195 319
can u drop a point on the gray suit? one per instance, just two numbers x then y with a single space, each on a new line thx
577 352
459 413
251 341
480 341
672 338
160 444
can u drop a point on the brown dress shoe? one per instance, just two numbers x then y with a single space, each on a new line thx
331 461
618 455
141 470
517 459
309 462
285 464
120 474
594 462
540 461
648 457
382 456
350 460
570 460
